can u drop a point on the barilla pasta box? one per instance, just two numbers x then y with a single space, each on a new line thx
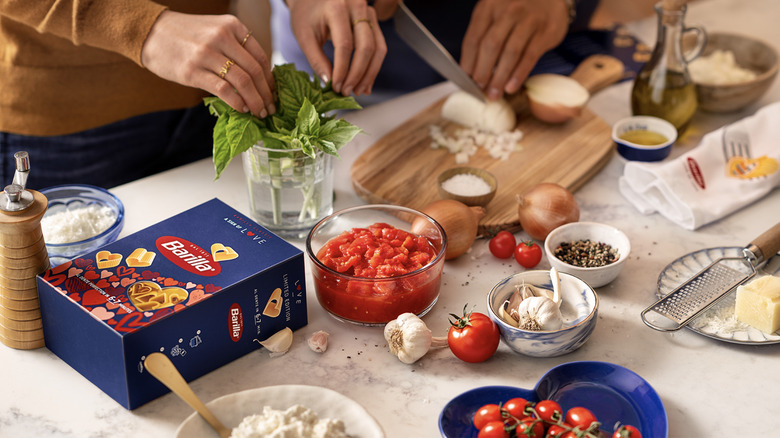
201 287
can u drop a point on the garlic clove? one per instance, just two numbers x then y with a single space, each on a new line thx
278 343
318 341
556 282
507 316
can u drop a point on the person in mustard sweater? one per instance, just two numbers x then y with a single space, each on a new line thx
106 92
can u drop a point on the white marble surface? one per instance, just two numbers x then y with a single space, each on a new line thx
707 386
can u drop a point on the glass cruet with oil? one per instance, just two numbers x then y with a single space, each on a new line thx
663 87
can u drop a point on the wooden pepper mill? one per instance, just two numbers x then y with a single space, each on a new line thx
22 257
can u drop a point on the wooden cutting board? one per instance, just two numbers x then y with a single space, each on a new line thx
401 168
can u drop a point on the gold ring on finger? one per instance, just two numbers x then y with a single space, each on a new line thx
225 68
246 38
361 20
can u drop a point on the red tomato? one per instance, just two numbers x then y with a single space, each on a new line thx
494 429
473 337
626 431
549 411
579 416
502 245
516 407
559 431
531 428
486 414
528 254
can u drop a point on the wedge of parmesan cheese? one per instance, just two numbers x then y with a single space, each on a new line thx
758 303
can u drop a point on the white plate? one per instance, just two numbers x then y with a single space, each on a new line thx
326 403
718 322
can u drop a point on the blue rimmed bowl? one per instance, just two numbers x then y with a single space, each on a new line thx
613 393
637 151
579 308
66 199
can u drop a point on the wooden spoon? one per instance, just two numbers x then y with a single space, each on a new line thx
161 367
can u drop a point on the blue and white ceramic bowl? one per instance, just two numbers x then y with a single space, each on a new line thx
579 309
639 152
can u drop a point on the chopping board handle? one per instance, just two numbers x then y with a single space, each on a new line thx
767 244
597 72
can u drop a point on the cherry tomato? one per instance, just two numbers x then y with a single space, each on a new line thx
531 428
473 337
549 411
579 416
502 245
626 431
486 414
494 429
528 254
516 407
559 431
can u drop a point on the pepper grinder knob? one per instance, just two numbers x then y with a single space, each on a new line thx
15 198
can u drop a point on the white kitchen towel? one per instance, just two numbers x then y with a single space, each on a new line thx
731 168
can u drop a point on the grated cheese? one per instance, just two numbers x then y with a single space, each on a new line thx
77 224
295 422
719 68
466 141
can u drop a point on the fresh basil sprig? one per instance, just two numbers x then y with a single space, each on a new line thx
300 121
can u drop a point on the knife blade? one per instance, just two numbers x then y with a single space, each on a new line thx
422 41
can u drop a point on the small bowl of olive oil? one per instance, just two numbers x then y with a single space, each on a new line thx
644 138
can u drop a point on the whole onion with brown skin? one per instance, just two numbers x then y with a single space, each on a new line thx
544 207
459 221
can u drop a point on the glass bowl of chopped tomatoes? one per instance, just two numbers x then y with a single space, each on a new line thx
79 219
369 266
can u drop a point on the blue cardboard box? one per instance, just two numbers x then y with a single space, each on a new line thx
201 286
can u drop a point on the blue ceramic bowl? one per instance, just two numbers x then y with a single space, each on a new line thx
579 309
77 196
639 152
613 393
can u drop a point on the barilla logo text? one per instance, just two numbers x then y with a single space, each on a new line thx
188 256
695 173
236 322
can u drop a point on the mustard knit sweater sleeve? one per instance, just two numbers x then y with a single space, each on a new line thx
71 65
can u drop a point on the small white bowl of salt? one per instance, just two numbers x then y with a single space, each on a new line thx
469 185
80 218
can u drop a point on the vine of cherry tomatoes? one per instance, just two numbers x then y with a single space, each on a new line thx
519 417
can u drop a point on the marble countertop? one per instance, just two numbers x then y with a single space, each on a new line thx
707 386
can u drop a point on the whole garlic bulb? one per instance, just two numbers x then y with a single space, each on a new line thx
539 313
409 338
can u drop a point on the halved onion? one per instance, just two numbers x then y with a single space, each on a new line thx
495 116
555 98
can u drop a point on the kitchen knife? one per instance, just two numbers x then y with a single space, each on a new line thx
422 41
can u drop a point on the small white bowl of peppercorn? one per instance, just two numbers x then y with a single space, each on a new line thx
591 251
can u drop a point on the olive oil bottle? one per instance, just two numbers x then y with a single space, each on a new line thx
663 87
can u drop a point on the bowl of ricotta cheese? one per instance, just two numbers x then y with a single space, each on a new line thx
79 219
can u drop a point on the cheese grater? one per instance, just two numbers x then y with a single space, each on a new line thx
712 283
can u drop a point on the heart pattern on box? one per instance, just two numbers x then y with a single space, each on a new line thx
112 295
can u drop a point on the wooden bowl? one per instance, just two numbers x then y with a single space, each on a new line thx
749 53
471 201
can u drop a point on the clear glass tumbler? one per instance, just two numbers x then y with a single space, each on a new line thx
289 191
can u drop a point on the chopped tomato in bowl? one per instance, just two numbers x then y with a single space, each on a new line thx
368 268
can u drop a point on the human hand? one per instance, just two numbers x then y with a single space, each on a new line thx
215 53
506 38
359 46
